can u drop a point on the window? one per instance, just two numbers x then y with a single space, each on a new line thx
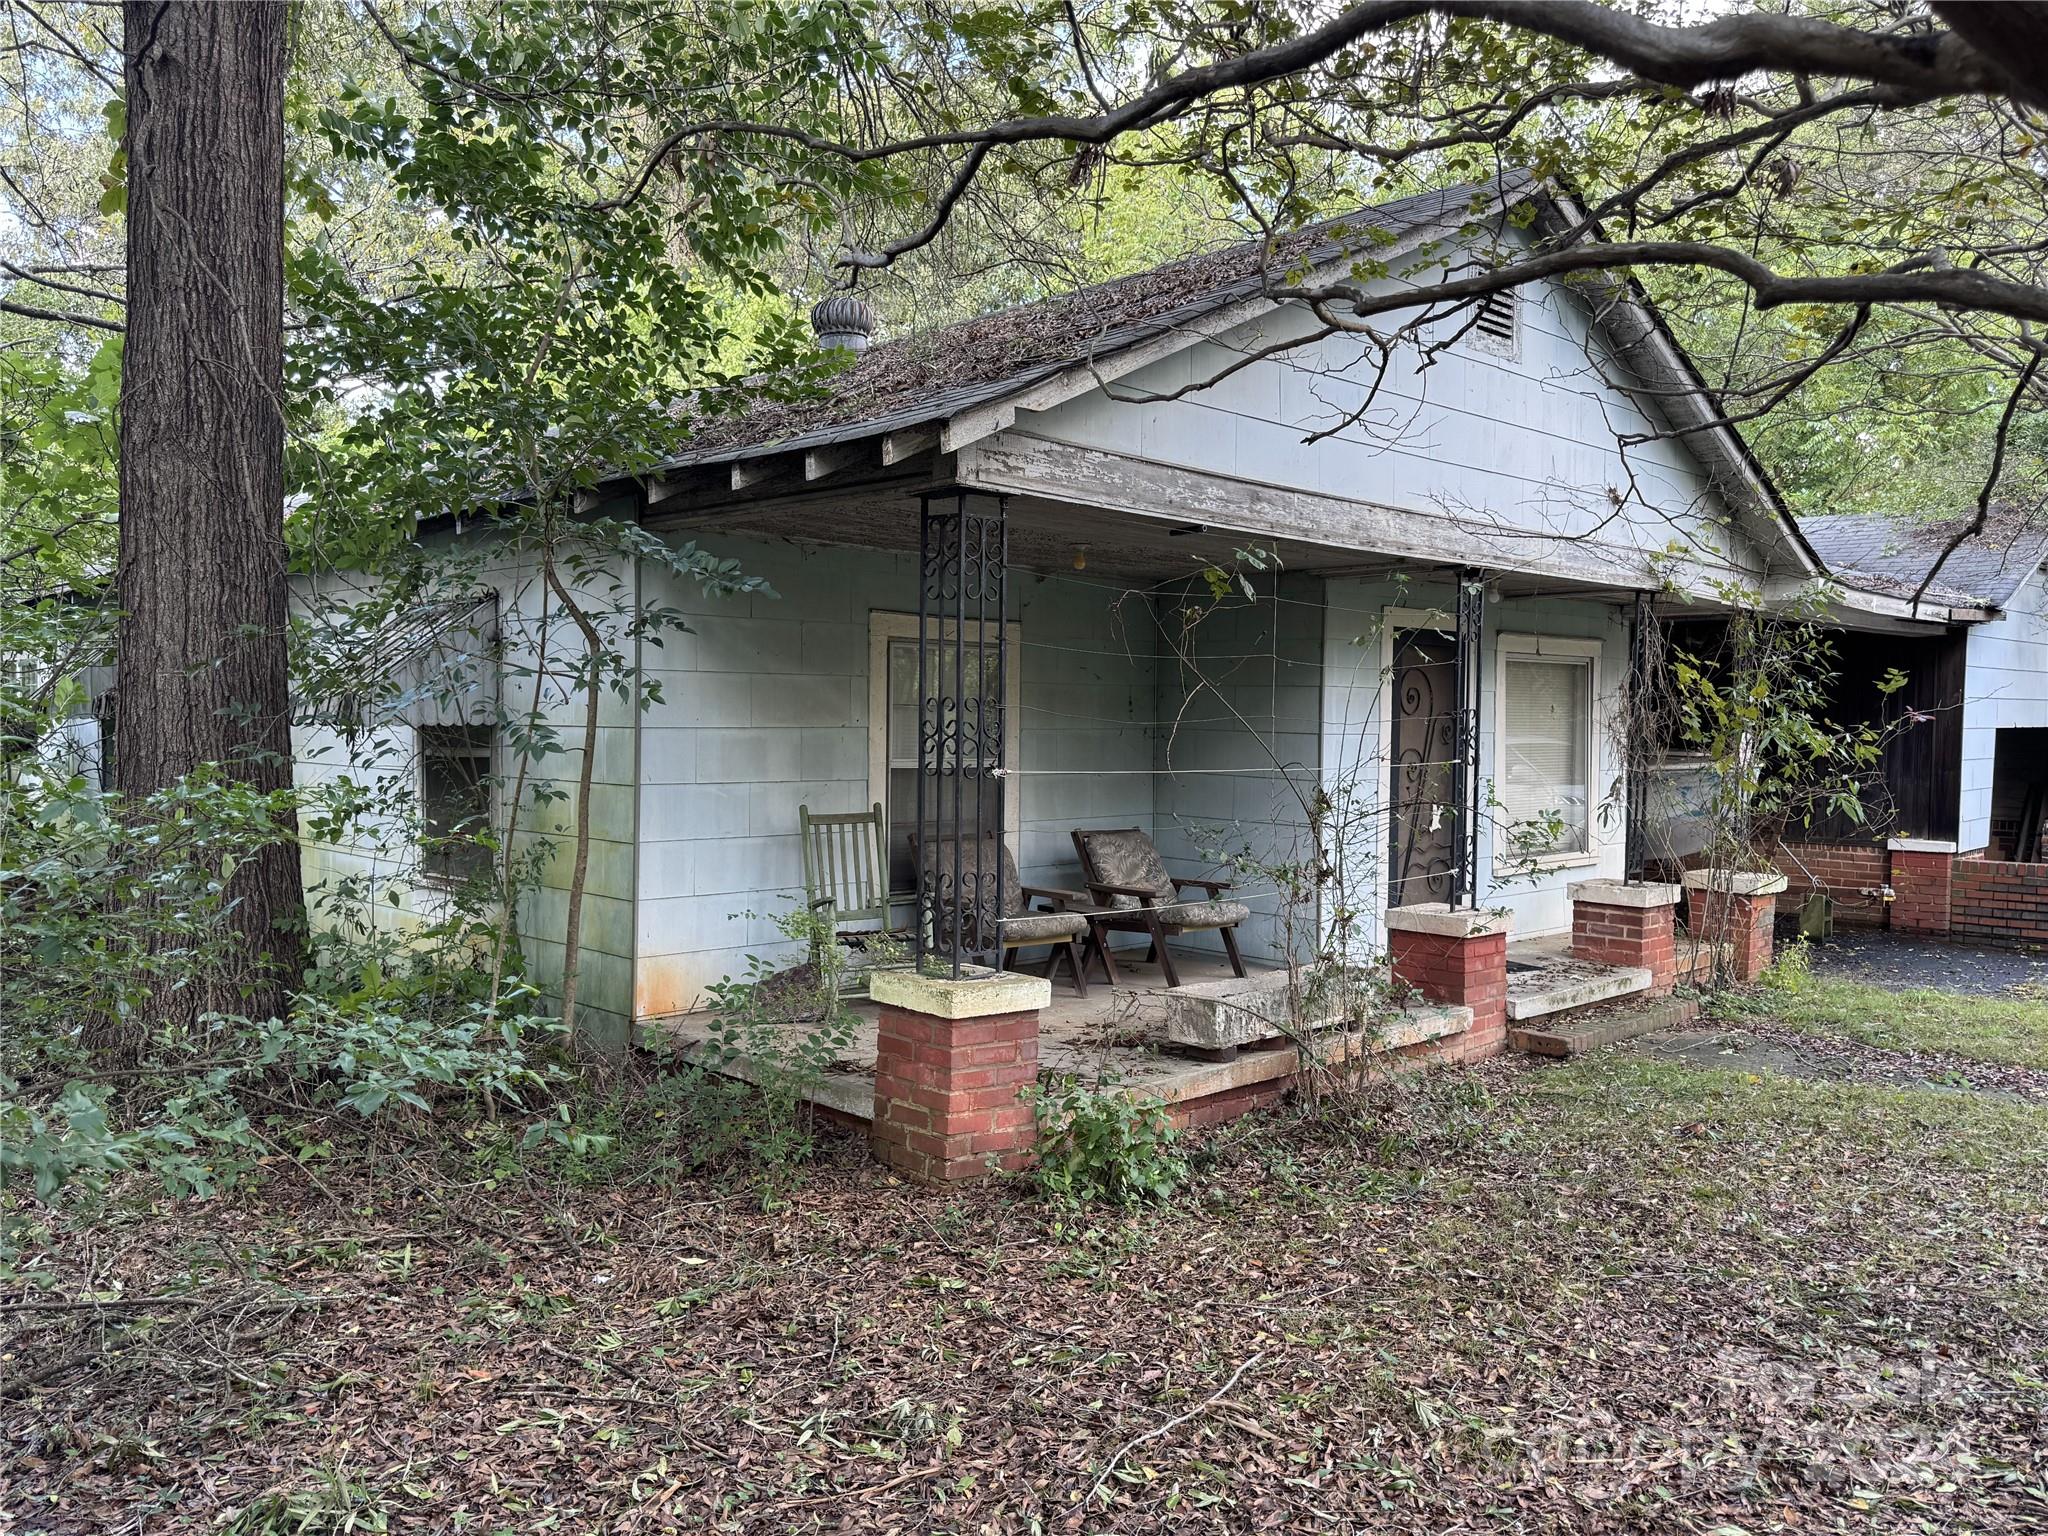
1545 779
892 728
1497 328
455 801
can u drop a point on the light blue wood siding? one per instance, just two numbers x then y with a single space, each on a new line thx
765 708
381 861
1354 742
1523 450
1239 750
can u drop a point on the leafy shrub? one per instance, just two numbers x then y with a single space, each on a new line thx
1099 1145
49 1145
102 901
185 1115
746 1094
1791 970
741 1100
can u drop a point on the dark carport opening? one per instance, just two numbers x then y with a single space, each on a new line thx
2019 792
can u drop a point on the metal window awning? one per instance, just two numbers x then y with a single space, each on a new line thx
425 663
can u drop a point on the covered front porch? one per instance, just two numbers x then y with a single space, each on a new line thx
1339 742
1333 734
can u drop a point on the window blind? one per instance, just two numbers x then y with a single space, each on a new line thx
1544 757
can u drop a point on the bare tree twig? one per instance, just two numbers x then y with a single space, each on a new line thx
1172 1424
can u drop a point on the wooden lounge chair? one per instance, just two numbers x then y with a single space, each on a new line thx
1019 927
1133 893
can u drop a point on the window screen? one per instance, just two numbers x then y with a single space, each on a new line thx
1546 747
455 800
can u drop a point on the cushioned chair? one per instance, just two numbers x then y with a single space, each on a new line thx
1018 926
1133 893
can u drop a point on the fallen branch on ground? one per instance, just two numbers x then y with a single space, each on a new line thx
1173 1423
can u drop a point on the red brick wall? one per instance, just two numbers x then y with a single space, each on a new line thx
1742 922
1645 936
1844 872
1215 1108
1921 891
1995 901
1468 973
948 1094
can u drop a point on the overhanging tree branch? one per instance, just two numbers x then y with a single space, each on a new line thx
1901 68
1976 524
59 317
1905 284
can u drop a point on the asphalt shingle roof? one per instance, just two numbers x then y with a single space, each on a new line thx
1885 554
931 375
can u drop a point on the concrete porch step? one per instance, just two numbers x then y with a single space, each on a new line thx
1609 1026
1555 984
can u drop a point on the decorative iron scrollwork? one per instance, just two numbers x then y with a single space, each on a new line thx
1466 780
962 681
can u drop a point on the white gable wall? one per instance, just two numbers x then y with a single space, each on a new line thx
2006 685
1521 451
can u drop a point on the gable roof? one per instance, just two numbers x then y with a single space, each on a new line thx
1892 557
930 376
965 379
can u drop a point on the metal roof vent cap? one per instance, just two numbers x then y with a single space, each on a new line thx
844 320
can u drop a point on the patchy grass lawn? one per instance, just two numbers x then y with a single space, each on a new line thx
2008 1030
1612 1295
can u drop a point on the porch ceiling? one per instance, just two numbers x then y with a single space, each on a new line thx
863 505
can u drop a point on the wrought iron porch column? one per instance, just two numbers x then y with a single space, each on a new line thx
1638 749
962 598
1466 777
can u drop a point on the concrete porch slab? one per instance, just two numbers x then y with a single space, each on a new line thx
1243 1011
1604 1026
1110 1036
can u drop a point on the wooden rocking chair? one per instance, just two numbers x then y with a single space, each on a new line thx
846 875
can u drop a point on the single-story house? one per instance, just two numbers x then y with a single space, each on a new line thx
1265 604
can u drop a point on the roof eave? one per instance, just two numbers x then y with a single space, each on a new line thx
1934 612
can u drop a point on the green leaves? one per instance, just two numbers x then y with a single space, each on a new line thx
114 179
1105 1146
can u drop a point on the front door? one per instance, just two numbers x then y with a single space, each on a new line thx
1422 768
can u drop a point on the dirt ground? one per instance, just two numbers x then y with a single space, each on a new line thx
1625 1293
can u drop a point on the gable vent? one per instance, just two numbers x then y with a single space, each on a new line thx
1495 330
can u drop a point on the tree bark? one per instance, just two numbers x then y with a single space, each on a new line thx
201 670
2012 37
579 873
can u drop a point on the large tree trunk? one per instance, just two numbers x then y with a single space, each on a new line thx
201 672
